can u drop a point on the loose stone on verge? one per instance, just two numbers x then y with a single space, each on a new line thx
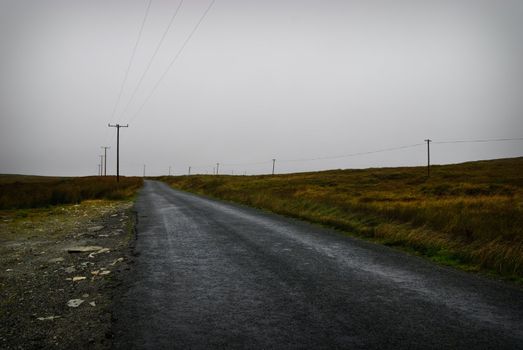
75 302
84 249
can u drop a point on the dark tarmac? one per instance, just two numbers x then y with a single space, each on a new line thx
215 275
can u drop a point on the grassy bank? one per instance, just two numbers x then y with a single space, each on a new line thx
19 192
468 215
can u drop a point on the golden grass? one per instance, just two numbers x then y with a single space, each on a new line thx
33 192
468 215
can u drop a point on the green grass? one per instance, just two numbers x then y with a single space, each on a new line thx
19 192
467 215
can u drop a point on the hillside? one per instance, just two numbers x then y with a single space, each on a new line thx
468 215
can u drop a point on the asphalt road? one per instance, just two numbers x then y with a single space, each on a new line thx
213 275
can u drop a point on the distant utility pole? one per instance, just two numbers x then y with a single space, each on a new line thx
105 159
118 126
189 171
273 162
217 168
169 170
144 170
428 156
99 170
101 164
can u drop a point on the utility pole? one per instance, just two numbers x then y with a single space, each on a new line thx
118 126
101 164
428 141
217 168
273 162
144 170
189 171
169 170
105 159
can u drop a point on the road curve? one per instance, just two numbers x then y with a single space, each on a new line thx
213 275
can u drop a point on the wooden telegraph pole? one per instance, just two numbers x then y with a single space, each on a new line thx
428 156
118 126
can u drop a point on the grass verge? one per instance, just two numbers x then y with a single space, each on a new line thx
466 215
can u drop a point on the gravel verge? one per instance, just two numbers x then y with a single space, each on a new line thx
60 270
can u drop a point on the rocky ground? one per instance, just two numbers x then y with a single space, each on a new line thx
60 270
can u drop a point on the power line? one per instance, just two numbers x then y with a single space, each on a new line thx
479 141
427 142
245 164
174 59
131 59
158 46
352 154
318 158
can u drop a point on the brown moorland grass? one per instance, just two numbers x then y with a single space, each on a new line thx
20 192
468 215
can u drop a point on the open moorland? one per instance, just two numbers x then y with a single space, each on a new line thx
466 215
19 191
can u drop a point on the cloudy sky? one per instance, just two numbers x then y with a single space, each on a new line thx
291 80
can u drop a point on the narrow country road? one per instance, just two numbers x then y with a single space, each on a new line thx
214 275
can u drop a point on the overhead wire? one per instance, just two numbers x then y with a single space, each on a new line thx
151 60
375 151
129 65
478 141
208 167
314 159
175 58
131 60
246 164
351 154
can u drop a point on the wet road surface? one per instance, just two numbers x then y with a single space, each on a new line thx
214 275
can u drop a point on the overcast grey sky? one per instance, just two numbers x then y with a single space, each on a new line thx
258 80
